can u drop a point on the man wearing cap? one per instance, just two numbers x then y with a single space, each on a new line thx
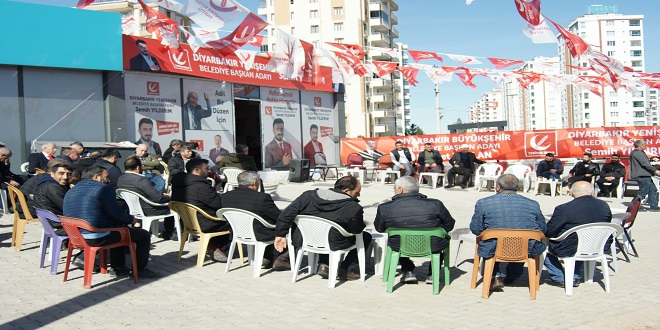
462 163
550 168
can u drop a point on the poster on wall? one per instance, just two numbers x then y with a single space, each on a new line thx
208 117
153 110
318 123
280 113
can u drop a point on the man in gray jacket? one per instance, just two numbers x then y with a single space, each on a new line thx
641 171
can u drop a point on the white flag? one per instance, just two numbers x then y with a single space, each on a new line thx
213 14
169 4
464 59
205 35
194 42
246 57
540 34
438 75
288 56
128 25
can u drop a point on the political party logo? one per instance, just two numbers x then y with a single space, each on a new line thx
153 88
181 60
167 127
200 144
268 109
540 143
318 101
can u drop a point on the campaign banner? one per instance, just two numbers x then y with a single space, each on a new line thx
280 120
212 145
153 110
601 142
144 54
318 122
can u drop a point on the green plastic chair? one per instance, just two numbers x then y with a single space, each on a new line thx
416 243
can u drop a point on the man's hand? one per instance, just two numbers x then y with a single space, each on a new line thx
609 178
457 166
280 244
657 172
428 166
286 159
155 67
552 170
14 183
588 175
206 97
219 158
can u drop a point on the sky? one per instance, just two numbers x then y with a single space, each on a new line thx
485 28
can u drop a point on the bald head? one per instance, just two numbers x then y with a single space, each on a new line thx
582 188
141 150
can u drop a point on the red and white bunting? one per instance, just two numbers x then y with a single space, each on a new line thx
128 25
470 60
418 55
341 73
355 50
529 10
194 42
384 68
466 78
244 32
575 44
205 35
651 83
540 34
438 75
246 57
393 52
84 3
257 41
213 14
410 74
501 63
165 28
311 64
288 55
353 62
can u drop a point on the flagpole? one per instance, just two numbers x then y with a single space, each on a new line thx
438 115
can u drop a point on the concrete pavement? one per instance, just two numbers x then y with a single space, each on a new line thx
207 297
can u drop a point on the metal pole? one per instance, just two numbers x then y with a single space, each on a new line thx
438 115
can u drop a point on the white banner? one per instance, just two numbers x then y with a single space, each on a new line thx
280 113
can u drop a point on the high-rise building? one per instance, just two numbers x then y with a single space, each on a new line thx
132 9
488 108
374 106
620 37
541 101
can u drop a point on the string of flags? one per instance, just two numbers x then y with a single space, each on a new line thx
300 60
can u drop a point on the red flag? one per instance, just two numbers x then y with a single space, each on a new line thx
422 55
466 78
244 32
353 61
529 10
384 68
410 74
527 78
257 41
311 66
84 3
651 83
356 50
501 63
575 44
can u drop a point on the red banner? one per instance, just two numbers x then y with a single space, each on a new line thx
518 145
208 64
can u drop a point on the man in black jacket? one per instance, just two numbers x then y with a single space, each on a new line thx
462 164
177 163
581 210
410 209
610 175
402 159
133 180
50 191
430 160
339 205
108 160
247 197
585 170
191 187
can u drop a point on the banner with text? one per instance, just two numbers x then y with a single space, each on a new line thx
516 145
280 120
146 54
318 123
153 110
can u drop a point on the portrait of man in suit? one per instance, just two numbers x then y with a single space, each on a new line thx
314 145
143 61
278 151
146 129
193 112
217 152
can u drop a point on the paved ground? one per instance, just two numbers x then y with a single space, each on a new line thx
207 297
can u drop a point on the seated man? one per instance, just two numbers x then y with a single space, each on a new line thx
239 159
584 170
133 180
339 205
402 159
507 209
178 162
191 187
247 197
583 209
108 160
50 191
93 200
430 160
169 152
28 188
550 168
70 155
410 209
6 175
151 167
610 175
39 160
462 164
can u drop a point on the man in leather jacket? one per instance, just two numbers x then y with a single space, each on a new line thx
585 170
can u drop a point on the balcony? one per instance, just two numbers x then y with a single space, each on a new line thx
379 24
380 128
393 19
406 107
394 33
379 114
375 6
381 98
381 83
379 40
379 56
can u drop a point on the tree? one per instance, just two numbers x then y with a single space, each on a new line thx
414 130
458 122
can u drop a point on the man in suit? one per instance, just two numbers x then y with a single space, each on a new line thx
39 160
583 209
278 151
313 146
193 112
143 61
146 130
247 197
133 180
430 160
462 164
371 153
216 154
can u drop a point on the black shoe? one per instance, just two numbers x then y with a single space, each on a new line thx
323 271
496 283
78 260
344 275
166 235
557 284
463 186
653 209
408 278
266 264
282 263
576 283
120 271
449 185
146 273
508 280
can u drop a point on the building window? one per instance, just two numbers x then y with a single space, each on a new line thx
611 53
611 43
313 14
293 16
291 1
338 10
583 34
264 48
339 26
633 22
339 40
614 104
639 114
635 53
586 95
315 43
293 31
609 33
638 104
313 1
635 33
635 43
609 23
587 116
272 17
586 106
614 114
314 29
613 94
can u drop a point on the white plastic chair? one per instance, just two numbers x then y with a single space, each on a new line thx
523 173
166 175
315 232
491 172
24 167
384 174
619 188
231 174
242 230
135 209
555 186
591 241
5 204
